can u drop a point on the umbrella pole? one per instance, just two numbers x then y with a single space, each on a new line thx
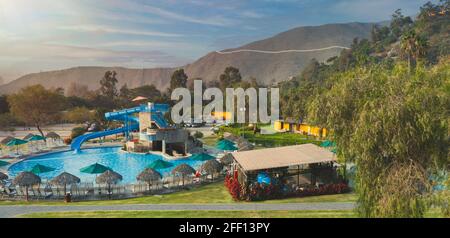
26 193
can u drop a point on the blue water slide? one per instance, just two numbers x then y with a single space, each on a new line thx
158 118
131 122
78 141
122 115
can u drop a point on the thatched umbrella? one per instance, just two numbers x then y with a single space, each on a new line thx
240 140
149 175
183 170
246 146
6 140
211 167
64 179
27 137
227 159
108 177
26 179
53 135
230 137
3 176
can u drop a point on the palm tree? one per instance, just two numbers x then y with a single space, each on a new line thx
413 47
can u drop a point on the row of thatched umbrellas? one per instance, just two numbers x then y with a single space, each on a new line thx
108 176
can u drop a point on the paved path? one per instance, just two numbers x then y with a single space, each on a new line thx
15 210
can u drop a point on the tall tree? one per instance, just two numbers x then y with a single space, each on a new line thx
77 90
4 106
229 77
178 79
413 47
79 115
400 23
108 84
36 105
390 122
124 92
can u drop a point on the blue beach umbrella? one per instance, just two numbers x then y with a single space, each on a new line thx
202 157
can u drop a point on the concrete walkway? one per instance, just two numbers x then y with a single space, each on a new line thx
15 210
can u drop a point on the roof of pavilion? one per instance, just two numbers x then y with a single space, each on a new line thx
282 157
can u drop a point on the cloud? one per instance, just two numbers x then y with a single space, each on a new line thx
113 30
51 52
146 8
251 14
123 17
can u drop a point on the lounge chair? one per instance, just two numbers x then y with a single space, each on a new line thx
10 192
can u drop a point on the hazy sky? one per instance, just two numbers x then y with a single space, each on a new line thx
39 35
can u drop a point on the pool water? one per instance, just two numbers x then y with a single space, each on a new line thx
129 165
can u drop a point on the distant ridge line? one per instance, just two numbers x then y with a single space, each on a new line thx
281 51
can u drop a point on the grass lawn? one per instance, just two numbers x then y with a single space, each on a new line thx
211 193
263 141
434 213
271 140
195 214
210 140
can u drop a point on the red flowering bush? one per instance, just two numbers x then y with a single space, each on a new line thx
233 187
258 192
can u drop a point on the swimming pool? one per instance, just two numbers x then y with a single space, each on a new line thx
129 165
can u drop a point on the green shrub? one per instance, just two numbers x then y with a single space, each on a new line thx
198 135
77 131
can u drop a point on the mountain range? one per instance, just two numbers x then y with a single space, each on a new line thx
265 67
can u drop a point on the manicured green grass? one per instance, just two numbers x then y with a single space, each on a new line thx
211 193
196 214
271 140
434 213
210 140
346 197
263 141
